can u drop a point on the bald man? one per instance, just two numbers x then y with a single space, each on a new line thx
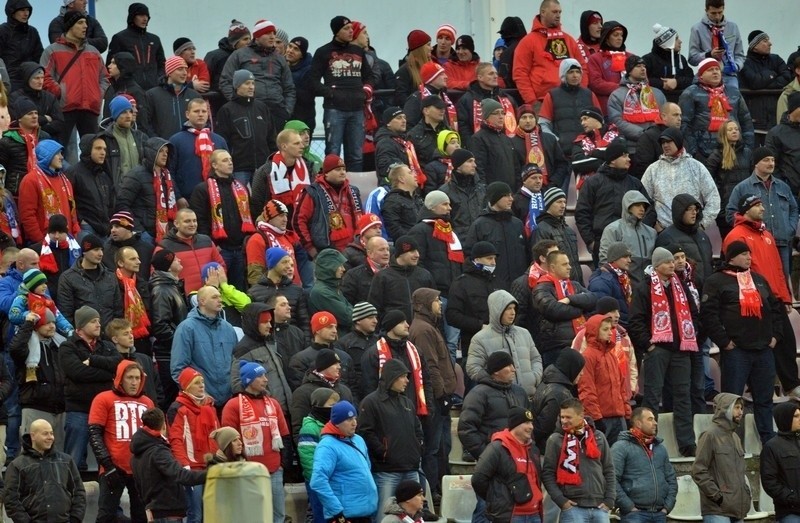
30 494
648 148
9 284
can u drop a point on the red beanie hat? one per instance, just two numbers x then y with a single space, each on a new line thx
331 162
357 28
263 27
417 38
429 71
706 64
320 320
187 376
366 221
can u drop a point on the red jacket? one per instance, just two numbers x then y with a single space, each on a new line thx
230 418
121 417
460 74
82 88
535 69
602 80
764 252
256 251
190 428
198 69
32 214
193 254
601 387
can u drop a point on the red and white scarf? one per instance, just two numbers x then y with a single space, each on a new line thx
640 104
9 222
452 115
250 425
413 162
749 298
718 106
448 164
134 308
569 472
51 203
509 119
443 231
661 321
624 280
285 182
203 147
47 260
565 289
242 204
534 152
535 274
344 229
385 354
166 205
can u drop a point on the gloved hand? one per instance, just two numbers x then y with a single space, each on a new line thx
277 443
338 518
114 479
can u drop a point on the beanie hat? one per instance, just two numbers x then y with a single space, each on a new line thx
525 109
761 153
748 201
301 44
274 208
570 362
325 358
321 395
182 44
390 113
71 18
363 310
672 135
735 249
616 251
488 106
466 42
119 105
417 38
551 195
661 255
337 22
57 223
429 71
435 198
483 248
263 27
448 30
47 317
632 61
593 112
33 278
366 221
205 269
665 36
23 105
320 320
282 35
274 256
84 315
606 304
358 27
529 170
331 162
433 100
342 411
405 244
187 376
392 319
518 415
123 219
162 260
460 156
675 248
755 38
793 102
498 360
615 149
705 65
137 8
174 63
406 490
224 436
89 242
497 190
236 32
249 371
240 77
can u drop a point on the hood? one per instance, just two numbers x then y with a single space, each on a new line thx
615 173
250 316
442 139
126 64
709 23
585 36
86 146
630 198
45 152
570 363
593 331
123 366
608 28
680 203
723 410
783 414
27 69
392 370
326 264
421 301
145 439
564 67
512 27
384 133
12 6
151 148
498 301
299 126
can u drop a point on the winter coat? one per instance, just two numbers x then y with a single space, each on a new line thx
145 47
727 179
666 63
47 392
424 137
631 131
644 481
113 162
215 61
601 387
165 110
307 442
326 294
83 85
556 329
413 108
465 109
558 167
78 287
603 81
95 197
305 108
648 150
355 343
194 253
311 219
485 411
496 157
780 206
184 164
467 305
19 42
462 73
392 287
700 45
498 337
301 397
167 310
83 382
206 344
783 99
719 466
44 486
400 211
691 238
784 141
339 73
638 236
189 425
45 101
764 71
425 333
356 283
561 110
246 126
557 386
604 282
433 252
467 199
302 362
274 84
641 312
389 149
554 228
266 289
388 422
14 157
125 84
200 203
506 232
143 249
290 340
32 216
136 192
780 476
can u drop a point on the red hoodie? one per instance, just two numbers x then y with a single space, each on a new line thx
231 418
189 432
601 387
121 415
764 252
520 453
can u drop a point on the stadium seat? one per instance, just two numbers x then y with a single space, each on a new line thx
666 431
584 256
458 499
687 503
366 182
701 423
752 441
716 239
456 450
429 499
572 194
765 503
753 514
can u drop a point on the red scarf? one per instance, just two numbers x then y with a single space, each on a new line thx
577 323
242 203
166 206
31 139
556 48
535 274
640 104
645 441
134 308
9 222
203 147
448 164
509 120
413 162
385 354
47 261
50 200
624 280
39 303
452 115
568 472
534 153
594 140
616 60
370 121
718 106
661 321
443 231
749 298
339 227
285 186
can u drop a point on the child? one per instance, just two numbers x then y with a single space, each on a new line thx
120 332
528 202
322 400
32 297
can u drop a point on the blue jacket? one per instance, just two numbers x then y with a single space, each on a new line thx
341 476
19 309
780 206
9 285
643 482
206 344
603 282
185 165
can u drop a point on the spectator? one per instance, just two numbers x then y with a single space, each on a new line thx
648 148
606 66
121 236
591 24
19 41
125 145
356 282
393 146
729 164
792 87
326 294
238 36
552 226
312 160
528 203
522 287
403 203
120 333
360 338
33 296
283 176
230 445
467 194
299 60
434 83
541 148
59 249
32 75
368 226
406 504
634 106
716 37
93 187
198 73
775 480
763 70
512 31
667 68
472 115
409 78
558 383
324 335
120 77
425 133
166 103
587 145
443 50
322 399
270 232
782 139
278 280
613 278
136 40
685 232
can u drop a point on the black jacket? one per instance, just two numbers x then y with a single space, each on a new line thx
392 287
200 203
761 72
659 65
727 179
691 238
44 487
84 382
467 200
556 330
506 232
78 287
356 283
341 85
553 228
423 136
215 61
558 167
400 211
639 321
433 253
305 108
304 360
496 157
143 249
464 108
356 255
113 155
165 110
14 157
556 387
246 125
146 48
158 475
95 197
527 315
136 193
266 289
389 149
467 308
46 103
648 151
125 84
290 340
783 139
94 32
18 42
301 398
47 392
355 344
780 475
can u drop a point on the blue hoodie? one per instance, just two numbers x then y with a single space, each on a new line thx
45 151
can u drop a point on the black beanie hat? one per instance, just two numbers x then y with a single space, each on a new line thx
615 149
672 135
392 319
606 304
137 8
337 22
497 190
735 249
518 416
761 153
570 362
301 44
57 223
71 18
21 106
498 360
162 260
325 358
460 156
631 62
406 490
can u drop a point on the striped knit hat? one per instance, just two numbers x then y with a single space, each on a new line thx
33 278
363 310
263 27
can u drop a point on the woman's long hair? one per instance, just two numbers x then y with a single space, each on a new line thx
415 60
728 147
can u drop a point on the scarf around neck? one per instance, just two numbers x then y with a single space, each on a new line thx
565 289
535 209
718 106
51 201
534 152
385 354
624 280
749 298
640 104
166 206
569 458
9 224
644 440
203 147
47 260
242 206
661 320
251 429
535 274
509 118
443 231
134 306
287 181
452 116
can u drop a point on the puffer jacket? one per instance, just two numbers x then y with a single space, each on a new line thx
780 476
601 387
784 140
18 42
77 91
95 197
433 252
389 424
727 179
558 384
691 238
562 106
638 236
667 63
425 334
193 252
392 287
145 47
555 228
467 199
83 382
136 192
45 101
301 398
719 467
644 481
167 310
77 287
47 392
780 206
467 305
764 71
556 329
266 289
498 337
274 84
394 513
506 232
190 423
400 211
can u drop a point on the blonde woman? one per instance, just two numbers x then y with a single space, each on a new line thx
728 164
408 77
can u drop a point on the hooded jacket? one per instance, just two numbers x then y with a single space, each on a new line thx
586 43
425 334
145 47
660 65
780 475
601 387
274 85
510 338
125 84
83 85
95 197
512 31
326 294
14 156
392 287
18 42
389 424
433 252
506 232
266 289
645 482
215 61
556 329
555 228
114 418
136 192
313 161
719 467
691 238
45 101
558 384
603 80
245 124
467 305
727 179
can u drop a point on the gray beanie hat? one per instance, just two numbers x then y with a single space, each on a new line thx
661 255
434 198
240 77
616 251
84 315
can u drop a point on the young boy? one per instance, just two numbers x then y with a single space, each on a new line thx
528 202
120 332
